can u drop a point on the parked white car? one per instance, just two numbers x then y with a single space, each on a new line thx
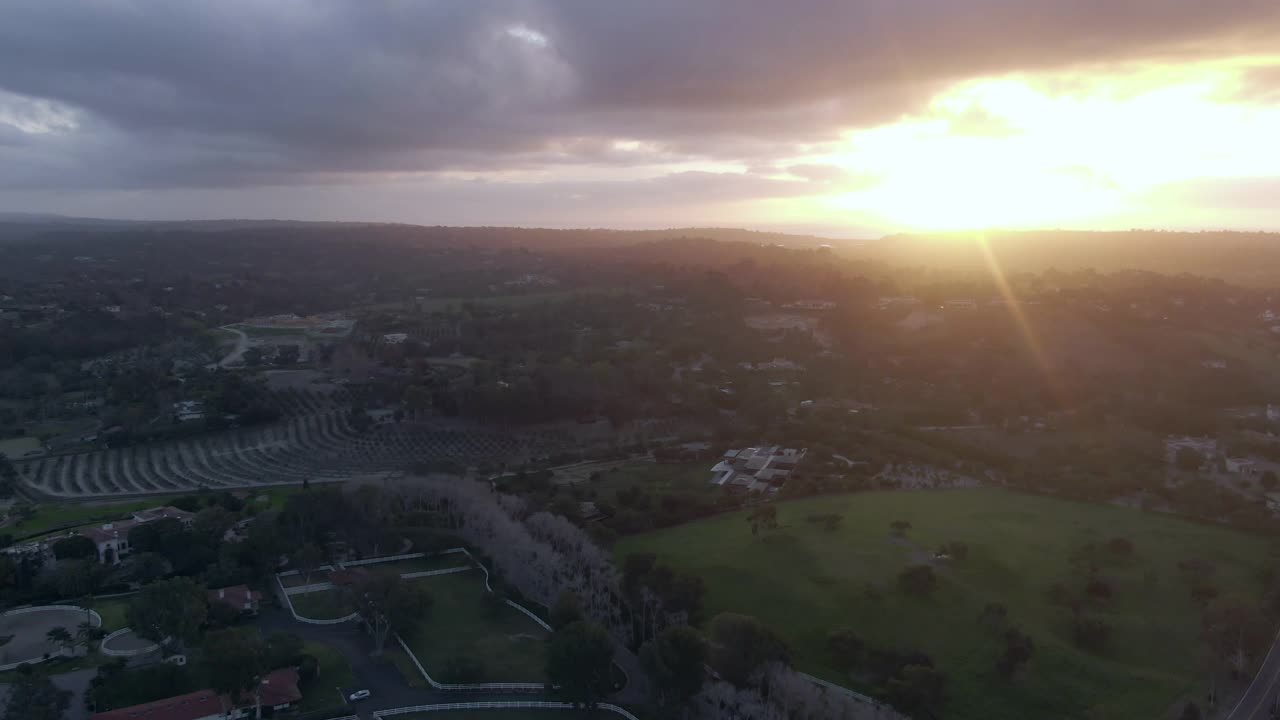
358 695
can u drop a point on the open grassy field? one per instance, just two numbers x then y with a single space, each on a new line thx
322 605
804 582
655 478
507 646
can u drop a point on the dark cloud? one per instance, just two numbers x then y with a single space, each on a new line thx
292 92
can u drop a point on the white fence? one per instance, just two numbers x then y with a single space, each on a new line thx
500 705
531 615
429 573
284 593
102 647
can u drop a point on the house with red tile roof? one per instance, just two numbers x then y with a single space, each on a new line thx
239 597
277 690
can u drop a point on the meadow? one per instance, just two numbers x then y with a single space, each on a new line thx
805 581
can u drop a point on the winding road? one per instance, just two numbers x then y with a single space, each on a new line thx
1261 696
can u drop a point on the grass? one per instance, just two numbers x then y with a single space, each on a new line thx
62 516
322 605
112 611
508 646
804 582
655 478
335 672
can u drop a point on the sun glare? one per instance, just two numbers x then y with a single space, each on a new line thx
1070 150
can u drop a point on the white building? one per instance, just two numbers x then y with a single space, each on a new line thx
757 468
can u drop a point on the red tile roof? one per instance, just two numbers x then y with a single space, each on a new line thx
237 596
192 706
280 687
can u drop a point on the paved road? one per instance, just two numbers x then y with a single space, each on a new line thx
1261 695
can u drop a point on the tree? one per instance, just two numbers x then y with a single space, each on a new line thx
1269 482
307 560
59 636
33 696
741 646
74 547
77 577
844 647
567 610
87 634
1091 634
1190 711
236 662
160 536
763 516
213 522
579 663
384 601
169 611
994 615
675 662
283 649
1235 631
1018 649
917 690
918 580
899 528
1120 547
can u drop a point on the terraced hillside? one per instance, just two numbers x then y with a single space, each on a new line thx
317 447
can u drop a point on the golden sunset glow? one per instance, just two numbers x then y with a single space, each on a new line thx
1071 150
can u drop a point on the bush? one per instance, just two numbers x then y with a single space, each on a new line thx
918 580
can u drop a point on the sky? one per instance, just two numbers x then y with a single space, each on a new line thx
849 118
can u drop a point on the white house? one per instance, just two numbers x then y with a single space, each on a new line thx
112 538
757 468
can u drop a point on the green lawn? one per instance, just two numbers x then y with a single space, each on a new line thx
335 672
656 478
805 582
112 611
322 605
64 516
508 646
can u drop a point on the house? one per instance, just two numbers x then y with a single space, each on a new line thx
199 705
757 468
112 538
188 410
239 597
1205 447
278 690
811 305
1241 466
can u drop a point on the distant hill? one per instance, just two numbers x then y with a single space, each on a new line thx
1245 258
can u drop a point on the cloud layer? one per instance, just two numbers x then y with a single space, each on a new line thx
140 95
